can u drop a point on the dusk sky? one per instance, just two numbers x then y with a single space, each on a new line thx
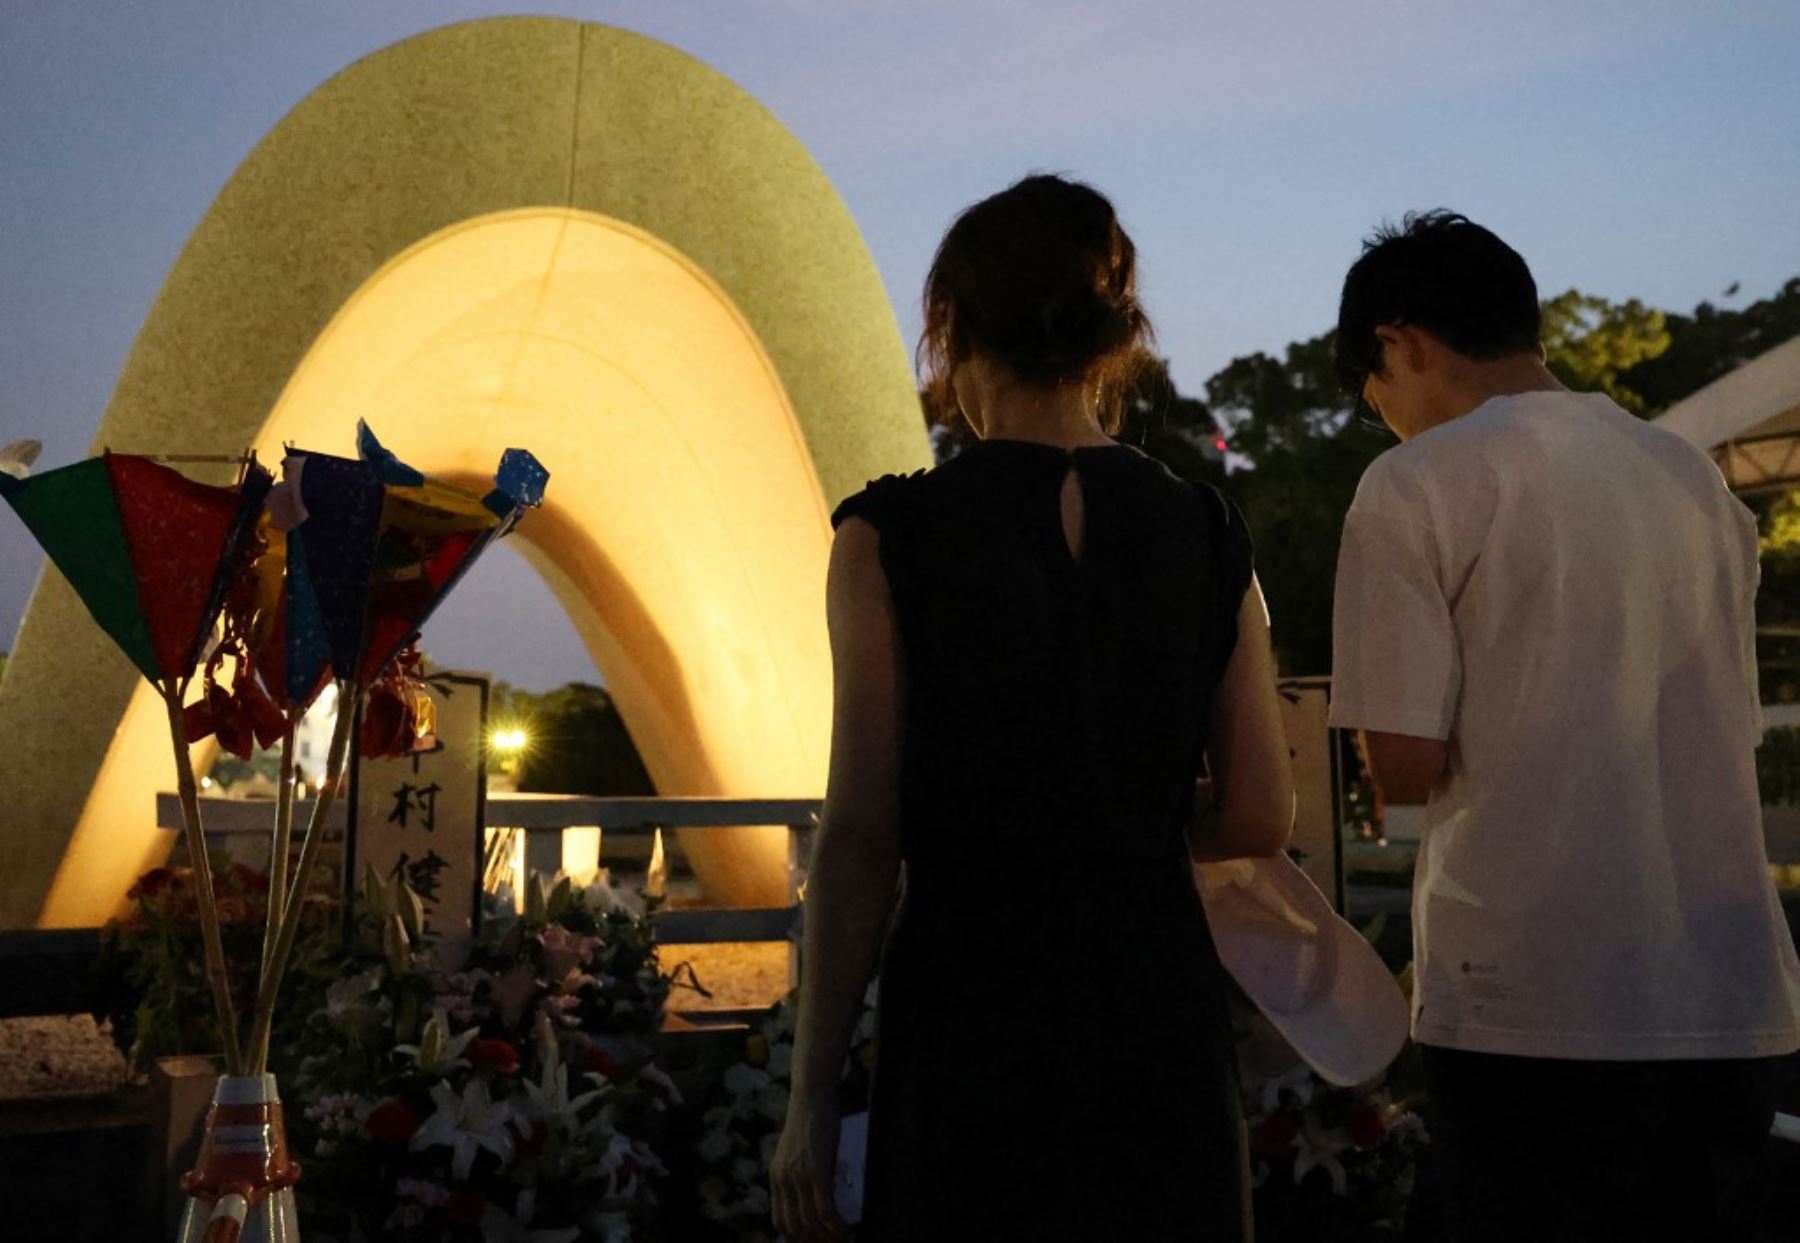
1647 149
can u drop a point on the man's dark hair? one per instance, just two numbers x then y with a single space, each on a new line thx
1444 273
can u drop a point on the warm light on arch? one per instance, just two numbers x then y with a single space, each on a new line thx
685 529
517 230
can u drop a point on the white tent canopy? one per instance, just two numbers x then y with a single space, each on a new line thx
1748 420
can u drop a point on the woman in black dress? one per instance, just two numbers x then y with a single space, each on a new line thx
1038 648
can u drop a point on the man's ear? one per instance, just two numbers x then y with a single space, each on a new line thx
1399 344
1407 344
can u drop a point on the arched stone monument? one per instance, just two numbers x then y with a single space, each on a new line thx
533 232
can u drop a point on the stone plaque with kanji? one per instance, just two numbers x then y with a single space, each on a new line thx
419 819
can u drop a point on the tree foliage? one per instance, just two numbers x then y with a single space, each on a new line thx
577 742
1710 342
1290 425
1590 342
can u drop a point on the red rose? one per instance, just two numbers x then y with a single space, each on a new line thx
391 1122
601 1062
249 879
464 1206
232 910
1275 1135
499 1055
1365 1126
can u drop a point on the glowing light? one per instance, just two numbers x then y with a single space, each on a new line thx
656 879
206 783
508 741
517 869
581 853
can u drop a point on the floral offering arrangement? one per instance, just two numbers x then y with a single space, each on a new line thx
153 984
742 1122
512 1098
258 595
1327 1161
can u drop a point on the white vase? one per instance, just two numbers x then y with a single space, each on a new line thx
241 1189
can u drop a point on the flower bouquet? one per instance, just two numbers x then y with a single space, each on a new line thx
1327 1162
513 1099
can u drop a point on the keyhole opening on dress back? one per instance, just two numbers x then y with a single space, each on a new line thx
1074 514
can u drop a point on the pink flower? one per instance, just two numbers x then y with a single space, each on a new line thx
512 991
565 952
532 1135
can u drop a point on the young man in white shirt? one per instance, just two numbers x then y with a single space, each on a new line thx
1544 626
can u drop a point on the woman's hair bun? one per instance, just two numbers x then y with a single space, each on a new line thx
1042 278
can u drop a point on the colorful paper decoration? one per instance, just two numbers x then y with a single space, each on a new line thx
149 551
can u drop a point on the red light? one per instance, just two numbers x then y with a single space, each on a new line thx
1219 444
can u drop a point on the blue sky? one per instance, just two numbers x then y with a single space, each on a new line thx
1646 148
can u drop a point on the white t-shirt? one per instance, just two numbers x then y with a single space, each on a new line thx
1567 593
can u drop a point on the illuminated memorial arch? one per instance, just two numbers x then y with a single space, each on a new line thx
515 232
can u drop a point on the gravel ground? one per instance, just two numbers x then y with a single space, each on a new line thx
65 1055
740 975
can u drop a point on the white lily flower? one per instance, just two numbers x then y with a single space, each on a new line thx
1316 1148
347 994
466 1124
438 1052
550 1099
1298 1081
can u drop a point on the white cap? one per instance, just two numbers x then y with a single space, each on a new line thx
1312 975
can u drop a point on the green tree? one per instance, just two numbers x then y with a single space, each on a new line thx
1590 343
1303 455
577 743
1177 430
1710 342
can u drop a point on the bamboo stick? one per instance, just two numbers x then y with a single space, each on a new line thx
295 905
280 842
216 976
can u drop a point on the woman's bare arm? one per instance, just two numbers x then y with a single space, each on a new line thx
851 885
1247 753
856 852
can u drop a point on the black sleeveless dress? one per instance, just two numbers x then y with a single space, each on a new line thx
1054 1058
